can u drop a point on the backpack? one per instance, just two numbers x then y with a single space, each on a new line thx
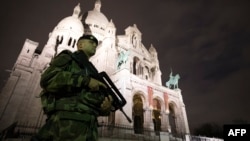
48 100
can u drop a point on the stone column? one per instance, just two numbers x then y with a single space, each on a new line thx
148 123
187 131
164 121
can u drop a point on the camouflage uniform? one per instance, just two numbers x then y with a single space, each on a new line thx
72 108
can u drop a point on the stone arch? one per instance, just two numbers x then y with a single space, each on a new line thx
141 93
138 112
156 114
160 103
172 117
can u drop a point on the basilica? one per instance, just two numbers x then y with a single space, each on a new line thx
133 68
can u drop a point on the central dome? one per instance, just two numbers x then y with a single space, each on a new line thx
67 31
71 23
96 17
95 22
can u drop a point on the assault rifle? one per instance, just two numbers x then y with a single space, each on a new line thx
118 100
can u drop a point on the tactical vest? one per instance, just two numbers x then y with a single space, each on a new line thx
82 101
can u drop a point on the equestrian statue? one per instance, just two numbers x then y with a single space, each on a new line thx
173 81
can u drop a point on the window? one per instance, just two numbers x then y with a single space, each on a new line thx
69 43
74 43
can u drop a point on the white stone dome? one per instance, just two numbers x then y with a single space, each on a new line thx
95 22
95 16
67 31
70 23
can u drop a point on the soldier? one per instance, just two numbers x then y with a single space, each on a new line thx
71 96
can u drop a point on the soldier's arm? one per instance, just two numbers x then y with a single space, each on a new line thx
57 79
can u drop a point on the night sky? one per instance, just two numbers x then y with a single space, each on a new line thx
207 42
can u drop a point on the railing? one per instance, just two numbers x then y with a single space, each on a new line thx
19 130
201 138
8 132
112 132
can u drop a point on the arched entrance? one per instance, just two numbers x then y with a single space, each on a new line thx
137 113
156 115
172 118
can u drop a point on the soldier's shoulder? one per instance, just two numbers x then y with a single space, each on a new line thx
65 53
62 58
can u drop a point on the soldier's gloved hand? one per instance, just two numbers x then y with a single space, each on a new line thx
107 104
94 84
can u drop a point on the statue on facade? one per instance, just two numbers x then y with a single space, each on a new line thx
173 80
122 58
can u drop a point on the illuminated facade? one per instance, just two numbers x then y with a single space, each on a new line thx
134 69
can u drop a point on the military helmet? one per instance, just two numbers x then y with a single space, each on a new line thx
90 37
